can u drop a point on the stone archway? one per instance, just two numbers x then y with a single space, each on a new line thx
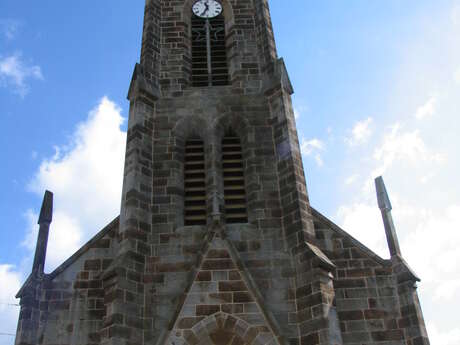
223 329
223 337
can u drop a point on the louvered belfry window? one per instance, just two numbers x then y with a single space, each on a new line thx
234 187
209 65
194 183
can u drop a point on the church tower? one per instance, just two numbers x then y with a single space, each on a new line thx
216 242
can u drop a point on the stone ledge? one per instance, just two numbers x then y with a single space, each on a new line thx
140 85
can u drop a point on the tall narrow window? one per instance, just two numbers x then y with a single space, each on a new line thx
234 188
194 183
209 56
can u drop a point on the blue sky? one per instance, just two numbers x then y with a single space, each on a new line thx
377 91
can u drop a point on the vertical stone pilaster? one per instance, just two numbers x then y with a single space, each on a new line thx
29 317
316 315
266 38
123 281
297 219
411 321
150 51
215 187
135 216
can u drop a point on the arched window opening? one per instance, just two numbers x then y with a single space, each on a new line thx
209 55
233 174
194 183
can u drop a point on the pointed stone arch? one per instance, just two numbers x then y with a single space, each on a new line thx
191 125
241 128
187 128
238 123
222 329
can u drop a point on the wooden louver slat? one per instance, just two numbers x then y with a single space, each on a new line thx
194 183
234 188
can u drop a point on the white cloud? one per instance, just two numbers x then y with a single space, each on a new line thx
313 147
351 179
296 113
427 178
363 221
443 337
455 15
300 110
10 282
427 110
403 146
309 146
15 72
86 178
319 160
447 290
66 237
361 133
436 231
457 76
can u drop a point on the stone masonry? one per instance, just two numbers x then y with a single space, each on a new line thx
288 276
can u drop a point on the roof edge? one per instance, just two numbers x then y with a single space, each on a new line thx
361 246
83 249
24 286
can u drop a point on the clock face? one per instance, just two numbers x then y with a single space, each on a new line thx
207 8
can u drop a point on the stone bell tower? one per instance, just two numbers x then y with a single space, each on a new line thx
216 242
213 178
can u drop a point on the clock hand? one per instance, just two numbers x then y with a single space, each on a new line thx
206 8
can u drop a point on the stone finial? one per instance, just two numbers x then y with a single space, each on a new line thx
44 220
46 212
385 209
382 195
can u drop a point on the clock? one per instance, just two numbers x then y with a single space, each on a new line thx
207 8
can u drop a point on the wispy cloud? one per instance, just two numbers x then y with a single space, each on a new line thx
296 113
299 111
15 73
361 132
313 147
404 146
351 179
